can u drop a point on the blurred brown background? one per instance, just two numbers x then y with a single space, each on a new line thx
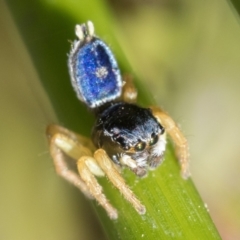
187 53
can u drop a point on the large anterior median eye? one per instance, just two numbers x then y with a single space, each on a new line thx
153 139
140 146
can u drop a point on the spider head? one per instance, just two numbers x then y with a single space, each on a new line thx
131 136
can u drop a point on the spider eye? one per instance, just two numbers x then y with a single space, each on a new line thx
140 146
153 140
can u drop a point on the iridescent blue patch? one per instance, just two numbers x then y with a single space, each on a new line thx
95 74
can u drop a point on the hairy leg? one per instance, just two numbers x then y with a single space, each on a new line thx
178 138
117 180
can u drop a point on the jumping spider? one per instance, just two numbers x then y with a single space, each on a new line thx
124 134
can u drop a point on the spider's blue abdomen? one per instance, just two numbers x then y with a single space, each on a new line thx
94 72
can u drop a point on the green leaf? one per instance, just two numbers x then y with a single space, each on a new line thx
174 207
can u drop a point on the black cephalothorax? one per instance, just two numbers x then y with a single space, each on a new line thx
127 129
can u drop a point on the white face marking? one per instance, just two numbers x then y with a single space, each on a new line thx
101 72
141 162
160 146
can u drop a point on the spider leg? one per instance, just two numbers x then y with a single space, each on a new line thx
86 167
178 138
61 142
86 142
117 180
64 142
129 93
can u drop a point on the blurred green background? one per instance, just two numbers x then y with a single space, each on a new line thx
186 52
